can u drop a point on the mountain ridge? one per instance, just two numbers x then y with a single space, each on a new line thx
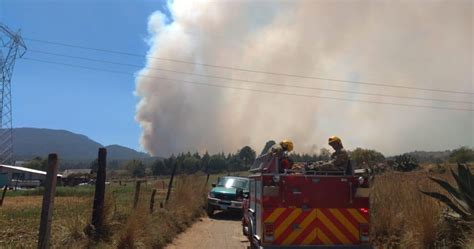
39 142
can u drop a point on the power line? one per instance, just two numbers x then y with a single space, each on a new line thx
248 81
245 89
250 70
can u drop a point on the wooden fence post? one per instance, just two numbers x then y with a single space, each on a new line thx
137 194
3 194
99 195
152 201
48 202
170 185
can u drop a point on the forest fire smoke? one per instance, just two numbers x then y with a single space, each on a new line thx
371 41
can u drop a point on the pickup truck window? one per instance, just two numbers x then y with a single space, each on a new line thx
229 182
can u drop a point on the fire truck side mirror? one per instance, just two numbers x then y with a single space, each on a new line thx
213 185
239 193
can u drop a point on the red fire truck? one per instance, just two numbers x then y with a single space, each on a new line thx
305 208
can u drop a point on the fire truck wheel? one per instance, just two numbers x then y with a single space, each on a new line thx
210 211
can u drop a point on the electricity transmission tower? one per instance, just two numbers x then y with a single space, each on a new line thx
11 47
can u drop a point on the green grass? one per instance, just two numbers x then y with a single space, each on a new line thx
78 191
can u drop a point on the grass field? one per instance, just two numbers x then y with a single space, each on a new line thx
401 216
20 213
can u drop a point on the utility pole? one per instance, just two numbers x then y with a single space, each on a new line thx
11 48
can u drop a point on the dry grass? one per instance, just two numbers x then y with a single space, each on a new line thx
402 217
125 227
155 230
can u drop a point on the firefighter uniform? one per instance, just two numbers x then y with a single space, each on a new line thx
339 161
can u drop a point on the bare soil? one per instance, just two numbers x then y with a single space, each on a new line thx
224 231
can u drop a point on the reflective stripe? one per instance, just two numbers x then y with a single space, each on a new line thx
275 214
279 230
348 225
331 226
355 213
323 237
334 230
310 218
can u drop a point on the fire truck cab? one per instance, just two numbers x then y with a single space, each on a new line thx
305 209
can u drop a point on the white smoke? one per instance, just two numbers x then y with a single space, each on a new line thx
418 43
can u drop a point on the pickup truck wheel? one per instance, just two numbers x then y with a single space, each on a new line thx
245 230
250 235
210 211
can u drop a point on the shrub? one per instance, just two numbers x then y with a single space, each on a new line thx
462 155
366 156
404 163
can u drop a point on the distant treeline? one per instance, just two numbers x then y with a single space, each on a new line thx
190 163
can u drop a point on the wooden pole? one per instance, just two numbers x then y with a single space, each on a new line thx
99 195
152 201
48 202
3 194
137 194
170 185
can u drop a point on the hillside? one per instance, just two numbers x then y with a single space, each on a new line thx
32 142
118 152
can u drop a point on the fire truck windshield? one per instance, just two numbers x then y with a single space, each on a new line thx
232 182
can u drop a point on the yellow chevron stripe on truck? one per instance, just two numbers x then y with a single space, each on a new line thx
295 226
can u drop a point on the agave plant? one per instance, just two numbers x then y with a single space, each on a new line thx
462 201
405 163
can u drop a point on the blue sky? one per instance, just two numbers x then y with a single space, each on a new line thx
100 105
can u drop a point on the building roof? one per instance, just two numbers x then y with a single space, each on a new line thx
34 171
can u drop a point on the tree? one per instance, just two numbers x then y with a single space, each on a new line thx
462 155
170 162
37 163
324 154
205 162
369 157
159 168
234 163
247 155
190 164
136 168
196 155
217 163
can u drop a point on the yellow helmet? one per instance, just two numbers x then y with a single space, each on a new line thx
287 145
334 140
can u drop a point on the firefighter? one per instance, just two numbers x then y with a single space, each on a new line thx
283 146
339 162
282 149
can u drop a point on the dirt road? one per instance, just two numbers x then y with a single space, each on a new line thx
224 231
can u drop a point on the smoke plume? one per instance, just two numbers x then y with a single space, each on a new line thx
426 44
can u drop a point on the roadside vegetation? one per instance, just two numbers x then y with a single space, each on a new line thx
402 216
126 227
